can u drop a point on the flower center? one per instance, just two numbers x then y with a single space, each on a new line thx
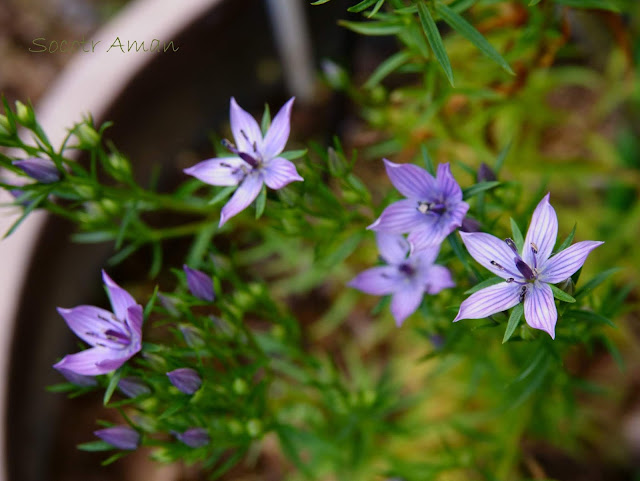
113 335
254 159
425 207
530 275
406 269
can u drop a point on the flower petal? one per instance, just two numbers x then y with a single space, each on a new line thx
134 319
278 133
485 249
540 309
42 170
565 263
446 183
411 181
84 321
393 248
430 233
121 300
243 196
194 437
220 171
280 172
542 232
437 278
377 281
187 380
490 300
399 218
200 284
405 302
91 362
245 129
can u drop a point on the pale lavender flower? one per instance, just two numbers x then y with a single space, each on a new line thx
185 379
527 274
133 387
405 278
433 207
200 284
114 336
256 160
121 437
42 170
194 437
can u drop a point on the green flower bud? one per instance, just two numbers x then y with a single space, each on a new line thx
240 386
254 428
337 164
87 136
118 167
5 127
25 114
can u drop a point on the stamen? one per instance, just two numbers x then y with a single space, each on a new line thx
534 250
248 159
502 268
494 263
229 146
512 245
510 280
523 291
406 269
244 134
424 207
255 147
524 269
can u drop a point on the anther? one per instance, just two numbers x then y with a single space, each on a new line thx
424 207
494 263
244 134
510 280
511 244
534 247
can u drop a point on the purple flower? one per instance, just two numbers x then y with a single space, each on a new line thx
114 337
42 170
527 274
194 437
122 437
433 207
185 379
200 284
405 278
256 160
133 387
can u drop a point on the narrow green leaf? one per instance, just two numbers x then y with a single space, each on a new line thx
376 9
266 120
560 294
492 281
363 5
261 202
567 242
435 40
475 189
123 254
293 154
113 383
595 282
94 446
126 220
223 194
386 67
373 28
320 2
156 259
502 157
28 209
113 458
517 235
534 2
514 320
428 162
467 30
148 308
590 316
614 351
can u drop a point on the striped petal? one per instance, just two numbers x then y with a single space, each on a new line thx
565 263
405 302
280 172
121 300
278 133
447 185
489 300
245 129
411 181
378 281
393 248
399 218
540 309
243 196
488 251
542 232
223 171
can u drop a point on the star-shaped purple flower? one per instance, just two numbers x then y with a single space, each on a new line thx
257 160
527 274
114 337
405 278
433 207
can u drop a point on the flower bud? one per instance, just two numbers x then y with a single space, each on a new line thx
5 127
194 437
254 427
25 114
122 437
336 76
169 304
568 286
156 362
470 225
87 135
240 386
133 387
78 379
192 336
185 379
42 170
485 173
118 166
200 284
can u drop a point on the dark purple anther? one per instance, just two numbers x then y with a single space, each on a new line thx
524 269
